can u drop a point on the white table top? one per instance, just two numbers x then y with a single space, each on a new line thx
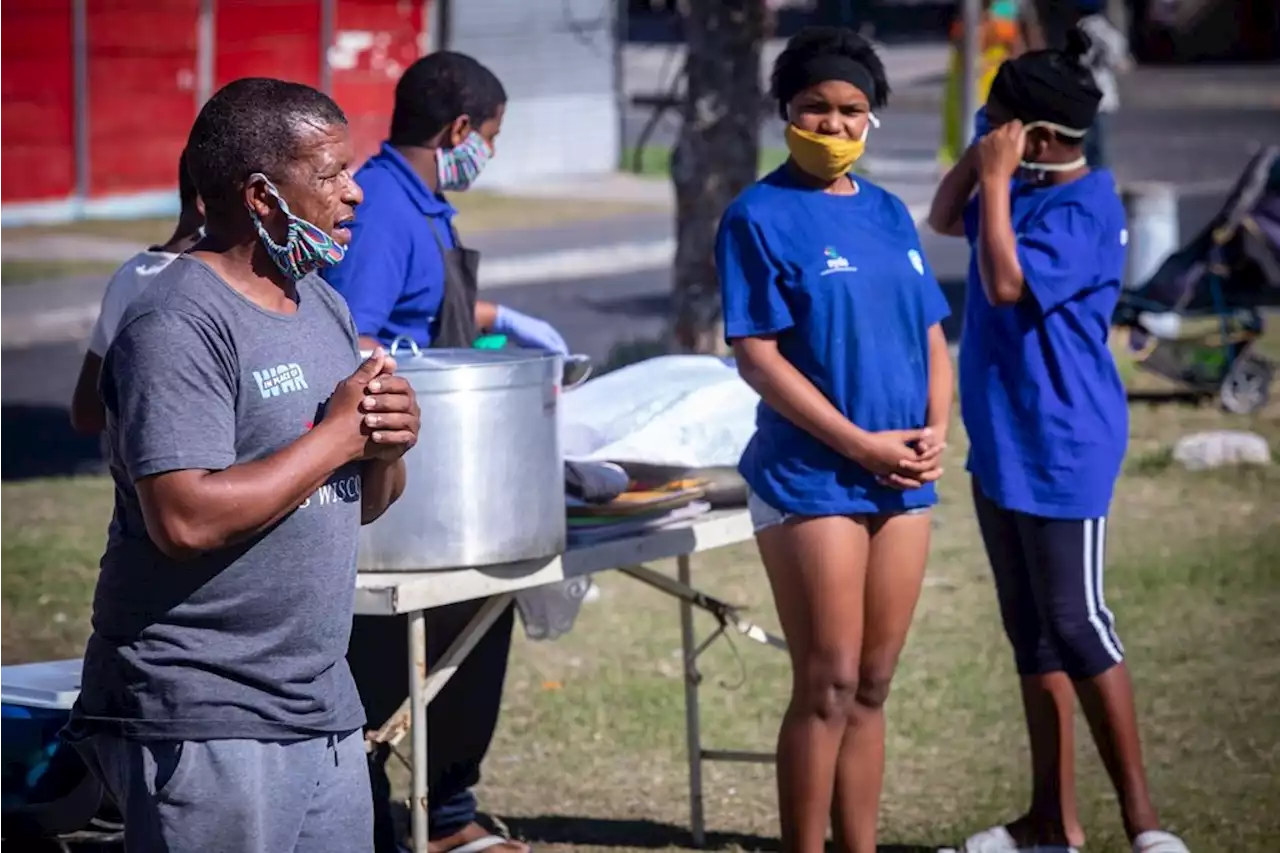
388 593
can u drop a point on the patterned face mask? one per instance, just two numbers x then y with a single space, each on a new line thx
458 167
306 247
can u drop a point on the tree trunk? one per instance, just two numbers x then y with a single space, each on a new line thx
716 156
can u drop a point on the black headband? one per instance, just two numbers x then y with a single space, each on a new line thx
819 69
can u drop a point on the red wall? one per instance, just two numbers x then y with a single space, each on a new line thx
374 41
37 148
267 38
142 91
143 68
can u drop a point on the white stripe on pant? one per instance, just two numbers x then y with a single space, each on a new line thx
1049 580
1095 534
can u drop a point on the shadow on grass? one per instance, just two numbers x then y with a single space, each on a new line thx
646 834
1185 398
39 442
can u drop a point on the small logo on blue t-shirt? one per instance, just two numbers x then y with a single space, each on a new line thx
916 261
836 262
1124 236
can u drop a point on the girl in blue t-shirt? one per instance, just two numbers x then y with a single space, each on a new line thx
834 317
1047 420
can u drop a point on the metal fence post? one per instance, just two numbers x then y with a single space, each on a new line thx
80 121
205 47
969 54
328 18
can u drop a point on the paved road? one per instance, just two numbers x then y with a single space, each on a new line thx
1184 124
1146 144
593 314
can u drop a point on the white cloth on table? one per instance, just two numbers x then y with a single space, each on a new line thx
689 411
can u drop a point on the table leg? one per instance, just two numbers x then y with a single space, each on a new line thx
392 731
418 727
692 717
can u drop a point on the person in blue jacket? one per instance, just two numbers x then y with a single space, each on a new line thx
835 319
1047 418
406 273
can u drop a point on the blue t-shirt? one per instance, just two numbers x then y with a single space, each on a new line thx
393 274
842 282
1040 393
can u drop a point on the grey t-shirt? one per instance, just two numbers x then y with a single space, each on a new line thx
248 641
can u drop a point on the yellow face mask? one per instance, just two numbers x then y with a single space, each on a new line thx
826 157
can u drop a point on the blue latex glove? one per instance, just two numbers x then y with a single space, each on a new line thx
529 332
981 124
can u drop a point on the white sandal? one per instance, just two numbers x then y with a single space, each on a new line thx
998 840
477 846
1157 841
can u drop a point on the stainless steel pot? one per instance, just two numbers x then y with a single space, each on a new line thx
485 481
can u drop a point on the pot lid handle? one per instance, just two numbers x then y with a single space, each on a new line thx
413 345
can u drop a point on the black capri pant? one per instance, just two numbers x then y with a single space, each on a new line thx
1048 574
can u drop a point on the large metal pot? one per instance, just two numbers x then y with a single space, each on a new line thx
485 481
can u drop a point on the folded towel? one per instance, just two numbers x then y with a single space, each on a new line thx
594 482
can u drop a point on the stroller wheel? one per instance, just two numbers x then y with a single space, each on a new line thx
1247 385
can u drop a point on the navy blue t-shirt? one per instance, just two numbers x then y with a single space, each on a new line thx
1040 393
393 274
842 282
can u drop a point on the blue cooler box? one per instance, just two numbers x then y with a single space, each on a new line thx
47 789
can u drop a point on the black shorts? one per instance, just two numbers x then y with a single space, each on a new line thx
1048 574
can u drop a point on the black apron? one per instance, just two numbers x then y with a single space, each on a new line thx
467 708
455 323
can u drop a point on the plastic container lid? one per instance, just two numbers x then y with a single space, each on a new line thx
445 370
50 684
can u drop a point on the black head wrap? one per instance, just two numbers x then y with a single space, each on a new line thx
1049 85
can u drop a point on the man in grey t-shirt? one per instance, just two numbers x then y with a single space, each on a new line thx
248 444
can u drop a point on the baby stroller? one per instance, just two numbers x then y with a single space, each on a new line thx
1198 319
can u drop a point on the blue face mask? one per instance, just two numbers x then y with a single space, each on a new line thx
458 167
306 248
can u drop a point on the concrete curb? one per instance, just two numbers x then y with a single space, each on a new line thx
610 260
55 326
572 264
74 323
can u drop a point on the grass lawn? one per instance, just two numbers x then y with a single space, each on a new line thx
590 750
655 160
478 211
26 272
484 211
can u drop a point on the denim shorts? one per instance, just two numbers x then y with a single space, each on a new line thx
764 516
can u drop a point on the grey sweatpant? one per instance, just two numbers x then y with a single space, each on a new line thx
238 796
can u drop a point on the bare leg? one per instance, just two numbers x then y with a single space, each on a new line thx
816 568
895 572
1048 701
1107 700
1069 557
1048 696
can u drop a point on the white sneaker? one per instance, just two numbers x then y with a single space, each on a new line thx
1157 841
998 840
